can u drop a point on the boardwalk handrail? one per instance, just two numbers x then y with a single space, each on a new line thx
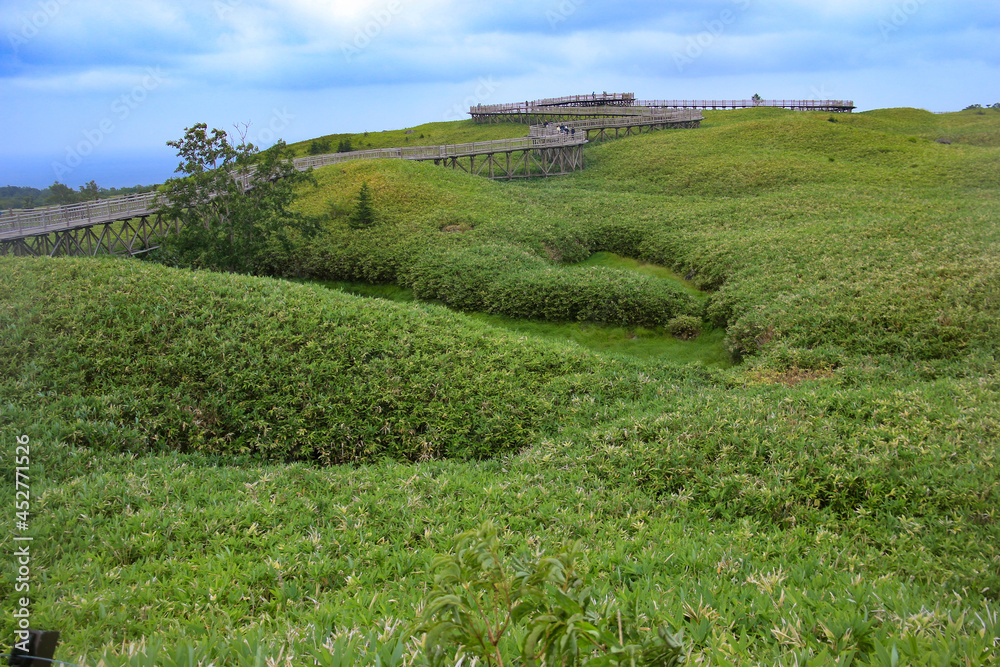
520 108
442 151
559 105
681 116
64 215
19 222
787 104
594 97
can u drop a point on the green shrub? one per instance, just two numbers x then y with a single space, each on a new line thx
480 599
233 365
319 146
464 277
596 294
684 327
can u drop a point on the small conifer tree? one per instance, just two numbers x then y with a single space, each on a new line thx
364 214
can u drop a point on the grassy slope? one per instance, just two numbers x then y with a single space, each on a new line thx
835 493
428 134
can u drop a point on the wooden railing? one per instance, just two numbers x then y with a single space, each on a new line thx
440 152
15 221
740 104
21 222
543 107
576 99
520 108
553 128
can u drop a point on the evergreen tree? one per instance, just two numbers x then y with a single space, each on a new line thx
364 213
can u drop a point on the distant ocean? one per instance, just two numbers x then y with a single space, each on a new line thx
112 170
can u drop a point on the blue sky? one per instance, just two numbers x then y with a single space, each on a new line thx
93 89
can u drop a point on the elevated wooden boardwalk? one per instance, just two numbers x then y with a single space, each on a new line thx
625 104
69 229
836 106
594 99
621 126
132 224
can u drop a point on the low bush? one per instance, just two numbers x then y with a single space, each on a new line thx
597 294
684 327
189 361
465 277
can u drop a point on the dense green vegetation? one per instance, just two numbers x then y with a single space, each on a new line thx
830 500
12 196
635 341
428 134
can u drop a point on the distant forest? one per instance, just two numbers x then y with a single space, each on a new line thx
13 196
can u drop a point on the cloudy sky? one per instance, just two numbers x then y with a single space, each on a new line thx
93 89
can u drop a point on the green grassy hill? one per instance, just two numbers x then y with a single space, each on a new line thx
225 467
428 134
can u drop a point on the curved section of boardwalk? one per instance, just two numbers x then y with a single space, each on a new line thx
131 224
526 157
447 152
625 104
838 106
622 125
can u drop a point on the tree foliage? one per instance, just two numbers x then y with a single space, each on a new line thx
232 201
60 193
364 213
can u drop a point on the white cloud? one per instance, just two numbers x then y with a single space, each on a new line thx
227 60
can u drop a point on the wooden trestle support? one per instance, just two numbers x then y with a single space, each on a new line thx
120 237
519 162
606 133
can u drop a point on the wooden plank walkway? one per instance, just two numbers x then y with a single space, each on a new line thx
683 118
594 99
18 223
549 149
625 104
423 153
795 105
21 223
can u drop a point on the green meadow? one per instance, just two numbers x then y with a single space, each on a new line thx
739 383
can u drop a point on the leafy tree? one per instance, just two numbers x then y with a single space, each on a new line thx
90 191
232 201
345 146
60 193
364 212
